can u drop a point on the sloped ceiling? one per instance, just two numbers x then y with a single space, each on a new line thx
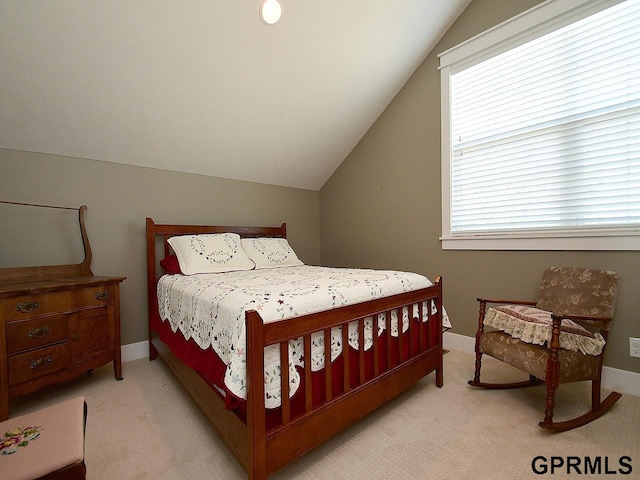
203 86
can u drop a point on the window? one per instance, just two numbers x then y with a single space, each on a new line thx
541 131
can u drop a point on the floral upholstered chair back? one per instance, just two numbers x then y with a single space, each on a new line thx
578 291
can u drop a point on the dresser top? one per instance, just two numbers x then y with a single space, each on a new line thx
54 284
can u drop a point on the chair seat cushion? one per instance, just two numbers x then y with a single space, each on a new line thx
532 325
532 359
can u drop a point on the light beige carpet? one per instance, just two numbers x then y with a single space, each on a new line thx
145 427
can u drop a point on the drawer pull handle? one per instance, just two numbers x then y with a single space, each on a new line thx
27 307
40 363
39 332
102 294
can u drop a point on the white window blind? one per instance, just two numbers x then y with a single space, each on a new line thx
545 137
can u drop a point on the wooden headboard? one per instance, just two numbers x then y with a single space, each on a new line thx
166 231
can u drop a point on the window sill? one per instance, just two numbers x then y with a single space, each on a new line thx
623 241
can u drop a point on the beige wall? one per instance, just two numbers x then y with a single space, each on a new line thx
119 198
382 207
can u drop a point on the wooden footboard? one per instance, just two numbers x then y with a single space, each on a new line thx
295 436
398 363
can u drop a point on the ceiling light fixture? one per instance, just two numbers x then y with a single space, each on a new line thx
270 11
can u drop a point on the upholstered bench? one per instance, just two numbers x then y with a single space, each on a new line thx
47 444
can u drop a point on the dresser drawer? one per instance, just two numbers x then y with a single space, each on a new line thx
29 334
33 364
54 302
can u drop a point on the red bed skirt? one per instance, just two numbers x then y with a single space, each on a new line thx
212 369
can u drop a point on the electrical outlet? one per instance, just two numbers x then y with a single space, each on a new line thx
634 347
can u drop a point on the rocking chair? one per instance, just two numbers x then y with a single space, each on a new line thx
549 338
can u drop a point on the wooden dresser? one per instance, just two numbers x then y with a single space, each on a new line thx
56 322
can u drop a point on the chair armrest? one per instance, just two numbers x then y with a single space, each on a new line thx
510 302
483 309
593 320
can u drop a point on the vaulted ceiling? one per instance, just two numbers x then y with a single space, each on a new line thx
204 86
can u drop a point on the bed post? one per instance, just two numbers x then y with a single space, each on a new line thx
151 283
439 302
256 415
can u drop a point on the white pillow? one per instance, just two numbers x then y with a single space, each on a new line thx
210 253
270 252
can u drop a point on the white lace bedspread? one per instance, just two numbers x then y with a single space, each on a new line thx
210 309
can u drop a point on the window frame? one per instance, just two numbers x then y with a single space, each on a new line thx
533 23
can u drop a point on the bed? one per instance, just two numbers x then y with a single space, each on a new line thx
269 415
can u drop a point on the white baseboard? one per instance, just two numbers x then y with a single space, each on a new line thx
461 343
134 351
612 378
621 381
